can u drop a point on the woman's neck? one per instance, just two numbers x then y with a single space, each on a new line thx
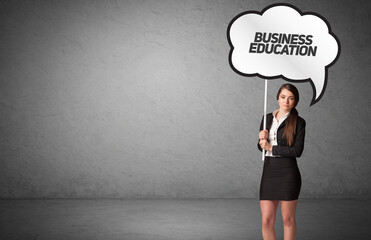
280 113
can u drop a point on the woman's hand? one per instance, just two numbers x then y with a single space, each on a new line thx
264 144
263 135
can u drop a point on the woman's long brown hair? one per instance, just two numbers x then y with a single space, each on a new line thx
290 128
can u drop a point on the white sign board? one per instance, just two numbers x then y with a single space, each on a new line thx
282 42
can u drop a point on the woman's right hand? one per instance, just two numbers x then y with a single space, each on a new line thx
263 135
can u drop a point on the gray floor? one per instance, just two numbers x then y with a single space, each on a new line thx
201 219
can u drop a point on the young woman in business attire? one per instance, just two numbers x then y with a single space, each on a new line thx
281 180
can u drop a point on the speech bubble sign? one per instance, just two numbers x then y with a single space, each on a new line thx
283 42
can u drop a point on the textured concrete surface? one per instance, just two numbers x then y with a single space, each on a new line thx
137 99
162 219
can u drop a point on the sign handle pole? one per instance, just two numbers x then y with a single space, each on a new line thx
265 112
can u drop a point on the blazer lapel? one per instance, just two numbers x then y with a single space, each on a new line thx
283 124
269 121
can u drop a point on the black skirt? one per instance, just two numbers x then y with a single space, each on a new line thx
281 179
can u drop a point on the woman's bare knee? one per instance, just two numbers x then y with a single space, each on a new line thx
288 221
268 222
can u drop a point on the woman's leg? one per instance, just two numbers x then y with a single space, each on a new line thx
288 209
268 209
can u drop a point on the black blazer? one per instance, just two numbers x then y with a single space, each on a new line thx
283 149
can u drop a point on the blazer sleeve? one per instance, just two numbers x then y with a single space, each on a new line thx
297 148
261 128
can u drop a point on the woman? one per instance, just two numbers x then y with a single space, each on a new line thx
281 180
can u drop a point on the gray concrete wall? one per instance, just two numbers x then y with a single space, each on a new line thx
137 99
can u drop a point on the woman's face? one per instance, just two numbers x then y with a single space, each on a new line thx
286 100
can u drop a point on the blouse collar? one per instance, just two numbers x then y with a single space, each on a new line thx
282 117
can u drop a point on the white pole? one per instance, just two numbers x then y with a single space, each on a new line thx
265 112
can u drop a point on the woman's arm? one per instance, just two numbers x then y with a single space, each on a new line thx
297 148
261 128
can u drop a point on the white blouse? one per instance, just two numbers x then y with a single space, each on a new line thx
272 139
